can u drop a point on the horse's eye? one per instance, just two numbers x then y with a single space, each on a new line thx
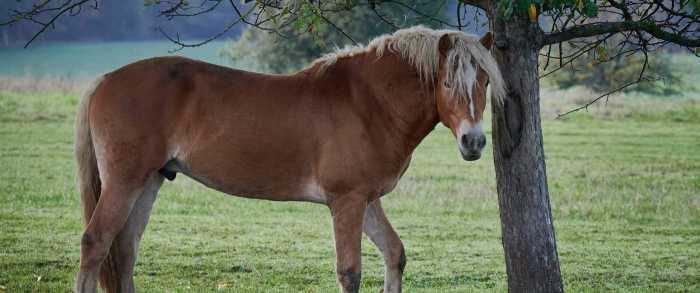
447 84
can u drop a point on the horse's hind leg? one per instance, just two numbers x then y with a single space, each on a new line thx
127 242
107 220
109 217
380 232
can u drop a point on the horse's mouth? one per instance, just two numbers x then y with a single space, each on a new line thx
471 156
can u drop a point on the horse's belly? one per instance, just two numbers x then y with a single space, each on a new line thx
247 172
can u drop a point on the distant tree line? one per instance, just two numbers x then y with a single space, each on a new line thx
113 21
260 50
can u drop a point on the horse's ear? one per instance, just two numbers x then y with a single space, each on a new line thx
445 44
487 40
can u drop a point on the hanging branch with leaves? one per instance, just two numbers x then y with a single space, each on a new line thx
603 31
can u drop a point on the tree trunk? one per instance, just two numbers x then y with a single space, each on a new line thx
526 218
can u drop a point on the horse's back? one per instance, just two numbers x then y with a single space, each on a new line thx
164 94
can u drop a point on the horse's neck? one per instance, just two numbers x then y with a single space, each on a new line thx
394 89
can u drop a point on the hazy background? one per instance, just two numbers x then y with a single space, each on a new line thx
120 32
95 42
125 20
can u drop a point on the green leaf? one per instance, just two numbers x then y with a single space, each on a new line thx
602 53
506 7
695 5
590 9
587 8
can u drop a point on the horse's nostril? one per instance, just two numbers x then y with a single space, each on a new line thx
464 140
482 141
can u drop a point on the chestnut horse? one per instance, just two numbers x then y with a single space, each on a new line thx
340 132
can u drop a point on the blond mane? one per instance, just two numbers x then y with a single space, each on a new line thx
419 46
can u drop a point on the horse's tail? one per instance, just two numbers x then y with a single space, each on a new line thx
89 183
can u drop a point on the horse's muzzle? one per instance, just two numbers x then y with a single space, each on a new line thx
472 144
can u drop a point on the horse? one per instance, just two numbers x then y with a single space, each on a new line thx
339 132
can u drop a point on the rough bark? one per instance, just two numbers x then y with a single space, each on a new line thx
526 219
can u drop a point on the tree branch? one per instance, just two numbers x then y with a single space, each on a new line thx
606 95
338 29
598 28
70 7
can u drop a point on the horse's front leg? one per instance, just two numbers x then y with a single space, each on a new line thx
379 230
348 211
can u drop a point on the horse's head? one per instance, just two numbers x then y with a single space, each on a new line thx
461 90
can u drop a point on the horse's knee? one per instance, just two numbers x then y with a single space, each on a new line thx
395 259
402 260
89 242
93 250
350 280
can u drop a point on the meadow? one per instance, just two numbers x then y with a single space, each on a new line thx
624 181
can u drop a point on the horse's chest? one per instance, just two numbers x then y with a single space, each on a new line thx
362 168
393 179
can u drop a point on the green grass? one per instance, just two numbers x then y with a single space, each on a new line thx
625 192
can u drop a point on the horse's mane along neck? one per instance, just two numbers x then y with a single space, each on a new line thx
419 46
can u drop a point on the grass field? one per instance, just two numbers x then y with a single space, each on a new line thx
625 193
